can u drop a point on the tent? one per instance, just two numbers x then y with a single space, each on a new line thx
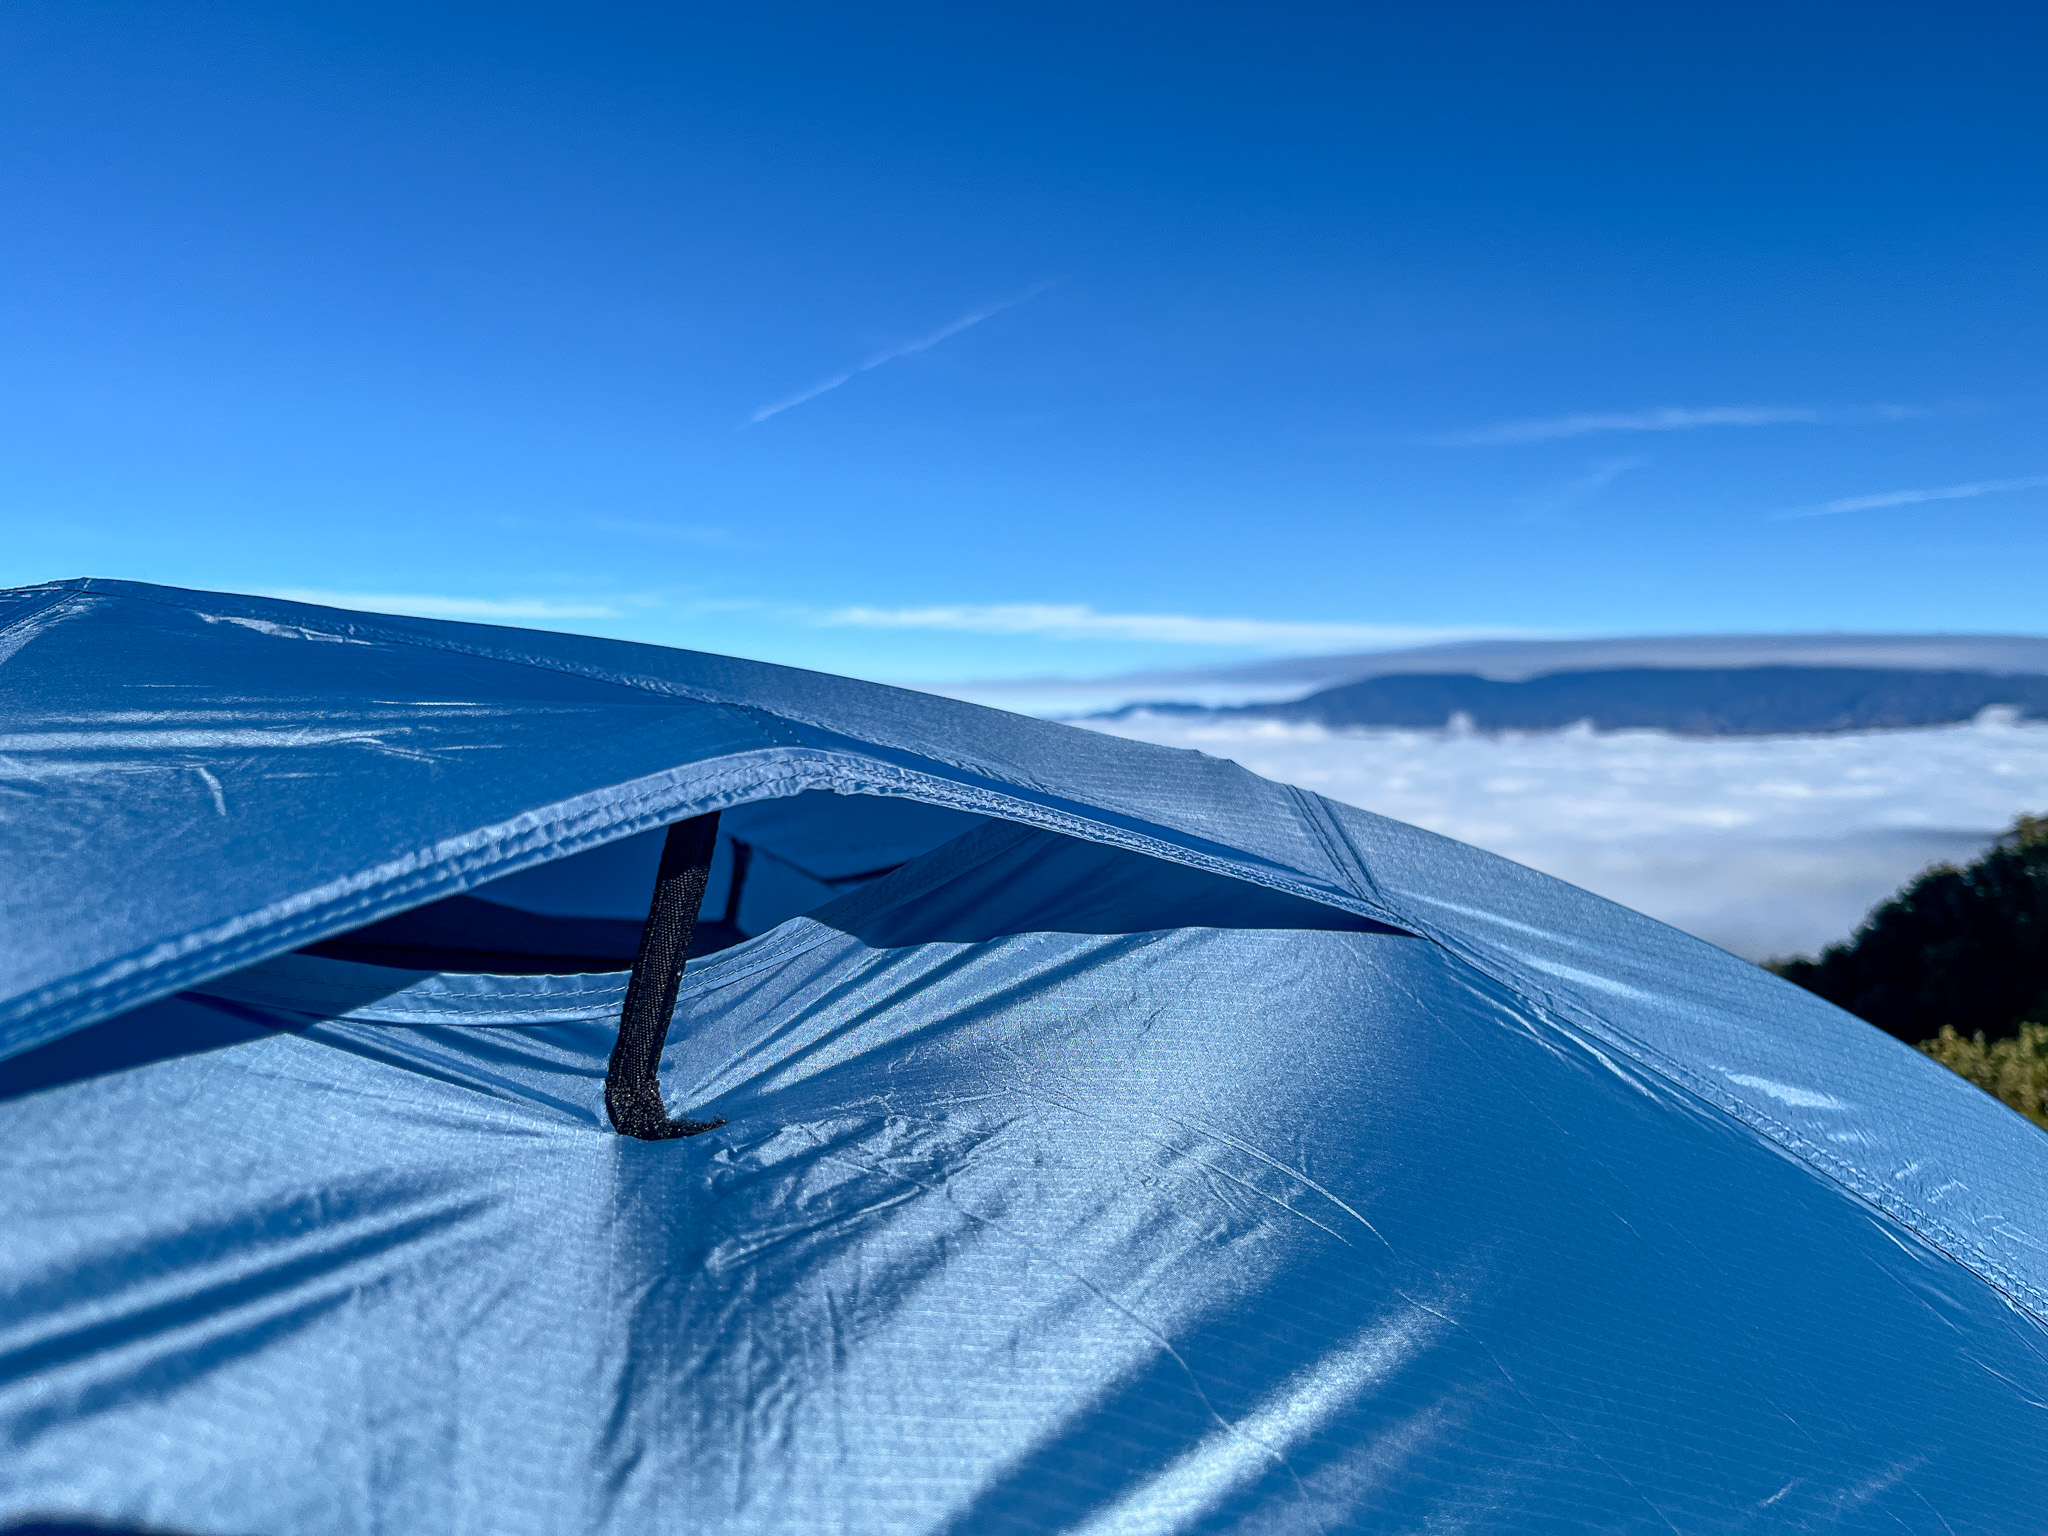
1105 1139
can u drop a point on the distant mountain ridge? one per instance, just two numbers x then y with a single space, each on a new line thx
1504 660
1693 701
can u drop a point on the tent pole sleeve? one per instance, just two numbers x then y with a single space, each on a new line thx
632 1085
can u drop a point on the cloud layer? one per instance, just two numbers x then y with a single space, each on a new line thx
1763 845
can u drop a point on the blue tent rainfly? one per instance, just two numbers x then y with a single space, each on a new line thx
1104 1139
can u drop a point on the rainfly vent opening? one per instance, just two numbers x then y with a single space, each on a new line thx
774 860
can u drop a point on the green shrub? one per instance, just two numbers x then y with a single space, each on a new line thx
2014 1071
1964 947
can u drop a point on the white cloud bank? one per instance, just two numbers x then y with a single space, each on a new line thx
421 605
1763 845
1671 418
1077 621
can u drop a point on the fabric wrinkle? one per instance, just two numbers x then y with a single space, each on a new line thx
1051 1151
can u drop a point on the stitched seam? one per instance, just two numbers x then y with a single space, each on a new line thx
56 597
797 767
1342 853
206 961
368 626
147 981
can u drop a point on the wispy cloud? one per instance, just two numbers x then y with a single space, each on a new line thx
923 343
1671 418
1077 621
1961 492
422 605
1601 473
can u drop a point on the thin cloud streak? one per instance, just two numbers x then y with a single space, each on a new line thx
1602 473
923 343
1961 492
1077 621
421 605
1670 418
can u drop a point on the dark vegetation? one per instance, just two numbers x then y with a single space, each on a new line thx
1701 701
1957 962
1964 948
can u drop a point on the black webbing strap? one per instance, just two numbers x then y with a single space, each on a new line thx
632 1085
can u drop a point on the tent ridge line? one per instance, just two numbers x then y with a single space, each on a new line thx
131 980
1343 853
55 594
523 840
856 770
377 626
22 631
367 625
781 718
1051 818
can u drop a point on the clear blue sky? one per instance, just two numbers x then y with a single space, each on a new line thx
942 341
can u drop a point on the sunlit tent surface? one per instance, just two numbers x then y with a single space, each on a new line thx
1115 1141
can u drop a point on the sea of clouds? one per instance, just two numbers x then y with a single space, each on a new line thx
1767 846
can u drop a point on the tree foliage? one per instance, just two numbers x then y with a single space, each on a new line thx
1960 950
2014 1071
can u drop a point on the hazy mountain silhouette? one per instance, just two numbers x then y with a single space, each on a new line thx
1699 701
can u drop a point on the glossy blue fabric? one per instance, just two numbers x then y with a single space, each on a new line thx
1111 1167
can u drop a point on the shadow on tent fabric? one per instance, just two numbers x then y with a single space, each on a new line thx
177 1026
467 933
1005 879
40 1527
998 881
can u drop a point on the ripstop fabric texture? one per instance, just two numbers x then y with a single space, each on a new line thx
1169 1151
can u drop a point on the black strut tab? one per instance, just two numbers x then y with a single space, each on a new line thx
632 1084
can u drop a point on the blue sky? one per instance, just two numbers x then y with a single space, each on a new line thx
950 341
